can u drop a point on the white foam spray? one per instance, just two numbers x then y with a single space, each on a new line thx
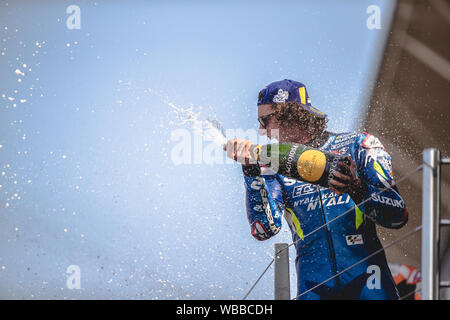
212 128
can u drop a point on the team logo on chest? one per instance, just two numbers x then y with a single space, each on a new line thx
303 189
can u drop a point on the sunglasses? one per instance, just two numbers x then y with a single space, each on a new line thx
264 120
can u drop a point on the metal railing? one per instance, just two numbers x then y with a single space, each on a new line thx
430 228
282 284
431 223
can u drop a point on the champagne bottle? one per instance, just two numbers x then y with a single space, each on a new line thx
300 162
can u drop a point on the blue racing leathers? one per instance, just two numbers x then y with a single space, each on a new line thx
324 251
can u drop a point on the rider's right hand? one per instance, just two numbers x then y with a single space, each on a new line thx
239 150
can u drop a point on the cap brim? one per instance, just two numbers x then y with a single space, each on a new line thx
314 111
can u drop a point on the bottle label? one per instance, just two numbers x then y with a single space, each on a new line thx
290 158
311 165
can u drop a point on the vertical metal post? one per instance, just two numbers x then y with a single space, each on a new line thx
430 224
282 286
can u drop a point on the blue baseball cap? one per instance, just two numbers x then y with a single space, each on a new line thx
288 90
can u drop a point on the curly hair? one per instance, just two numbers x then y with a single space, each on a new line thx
292 112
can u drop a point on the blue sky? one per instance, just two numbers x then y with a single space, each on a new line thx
85 168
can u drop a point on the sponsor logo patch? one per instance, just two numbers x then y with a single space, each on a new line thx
327 202
268 210
289 181
345 137
329 141
341 144
281 96
388 201
257 184
258 208
302 190
354 239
